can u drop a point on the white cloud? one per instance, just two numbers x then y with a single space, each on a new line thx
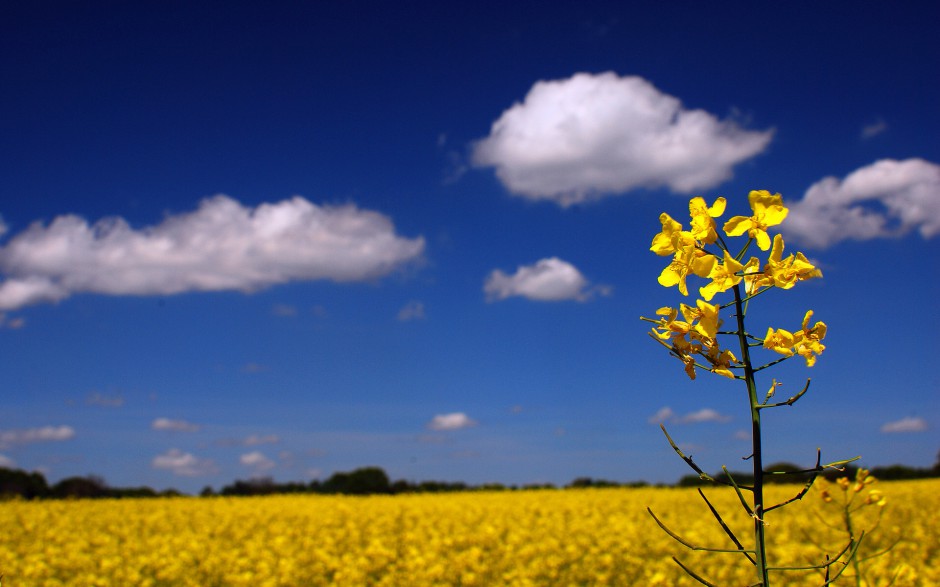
874 129
256 439
663 415
454 421
7 462
905 425
30 435
704 415
222 245
174 425
11 323
548 280
666 414
411 311
257 461
284 310
578 139
96 398
888 198
183 464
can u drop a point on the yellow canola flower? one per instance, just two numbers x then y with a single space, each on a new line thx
721 361
706 316
768 211
806 341
703 218
672 237
780 341
785 272
688 259
724 276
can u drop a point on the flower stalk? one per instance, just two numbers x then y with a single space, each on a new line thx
691 334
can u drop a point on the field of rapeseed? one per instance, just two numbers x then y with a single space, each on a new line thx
546 537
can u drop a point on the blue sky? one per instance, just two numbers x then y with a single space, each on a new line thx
287 239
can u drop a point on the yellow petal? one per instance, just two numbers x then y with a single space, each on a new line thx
737 225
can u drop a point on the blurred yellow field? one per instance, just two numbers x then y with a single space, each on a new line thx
546 537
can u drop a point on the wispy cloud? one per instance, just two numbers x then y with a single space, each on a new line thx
548 280
222 245
874 129
257 439
666 414
96 398
174 425
10 438
284 310
413 310
257 461
905 425
183 464
453 421
581 138
7 462
888 198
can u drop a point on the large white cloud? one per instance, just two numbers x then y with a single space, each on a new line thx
587 136
548 280
888 198
222 245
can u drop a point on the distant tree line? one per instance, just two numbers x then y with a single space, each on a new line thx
15 483
790 473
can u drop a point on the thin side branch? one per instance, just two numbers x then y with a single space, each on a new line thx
727 530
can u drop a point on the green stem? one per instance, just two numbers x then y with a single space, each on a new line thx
757 456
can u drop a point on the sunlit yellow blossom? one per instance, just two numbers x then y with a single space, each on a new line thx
780 341
806 341
768 211
672 237
724 276
688 259
668 327
721 361
703 219
754 278
785 272
877 498
706 316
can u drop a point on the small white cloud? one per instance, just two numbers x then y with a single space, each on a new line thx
581 138
454 421
548 280
174 425
257 461
11 323
413 310
253 368
223 245
905 425
284 310
256 439
874 129
183 464
704 415
30 435
886 199
6 462
665 414
97 398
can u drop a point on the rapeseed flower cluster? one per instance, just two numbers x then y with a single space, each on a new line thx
694 338
590 537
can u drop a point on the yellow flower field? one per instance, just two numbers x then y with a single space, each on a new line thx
546 537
